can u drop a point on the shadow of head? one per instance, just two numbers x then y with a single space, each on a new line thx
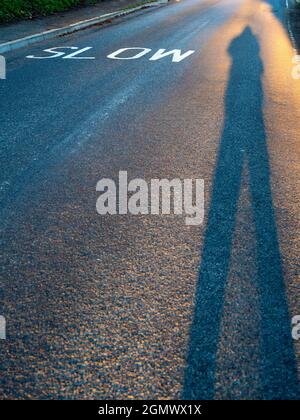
244 51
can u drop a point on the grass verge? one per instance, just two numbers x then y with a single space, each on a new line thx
27 9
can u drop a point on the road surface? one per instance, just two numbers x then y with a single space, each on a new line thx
144 306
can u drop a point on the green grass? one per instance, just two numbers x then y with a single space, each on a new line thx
140 3
26 9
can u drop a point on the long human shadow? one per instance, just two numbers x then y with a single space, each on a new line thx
243 141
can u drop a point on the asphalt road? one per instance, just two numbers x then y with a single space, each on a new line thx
125 306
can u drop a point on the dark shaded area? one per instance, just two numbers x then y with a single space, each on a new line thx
243 141
293 24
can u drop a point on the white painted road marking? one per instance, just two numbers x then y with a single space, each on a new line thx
133 53
62 54
177 55
116 55
75 55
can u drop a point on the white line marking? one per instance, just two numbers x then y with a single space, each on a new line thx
204 24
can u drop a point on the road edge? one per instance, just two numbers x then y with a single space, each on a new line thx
77 26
